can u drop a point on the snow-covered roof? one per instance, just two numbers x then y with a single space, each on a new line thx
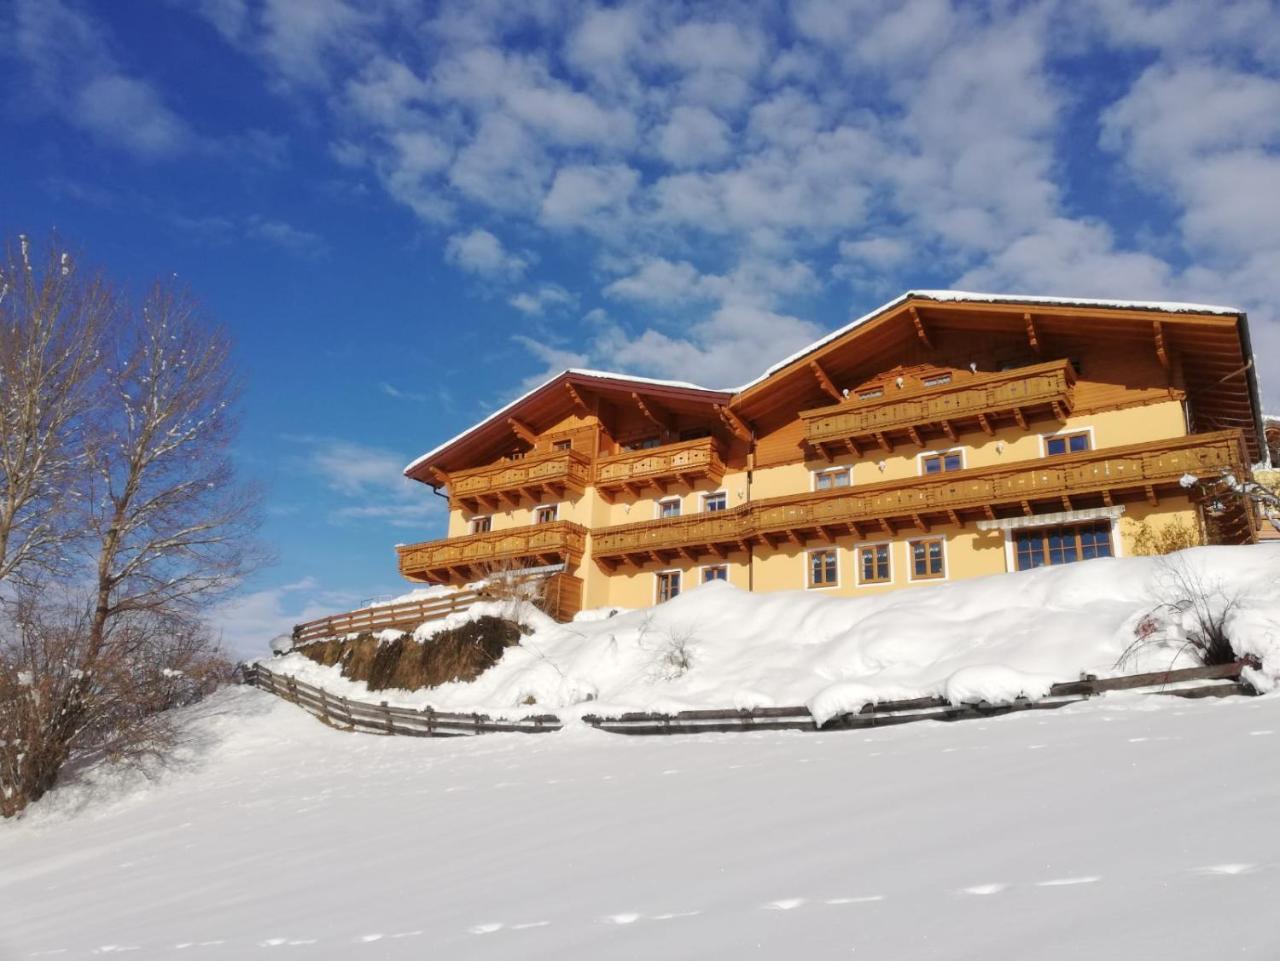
576 371
965 296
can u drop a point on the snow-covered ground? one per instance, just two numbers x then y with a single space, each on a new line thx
1127 827
991 638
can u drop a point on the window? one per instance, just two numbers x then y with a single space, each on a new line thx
1051 546
871 394
715 502
716 572
942 463
1067 443
545 515
824 569
927 559
481 525
670 507
826 480
873 564
643 443
668 585
562 445
937 380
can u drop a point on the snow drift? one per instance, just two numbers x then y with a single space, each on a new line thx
992 639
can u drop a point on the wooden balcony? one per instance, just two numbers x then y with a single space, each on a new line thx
687 462
510 484
1093 478
458 560
982 401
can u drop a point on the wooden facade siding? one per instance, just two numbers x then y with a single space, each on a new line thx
474 555
687 462
1140 468
1028 392
512 483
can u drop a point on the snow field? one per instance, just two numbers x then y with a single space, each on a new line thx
1128 827
992 638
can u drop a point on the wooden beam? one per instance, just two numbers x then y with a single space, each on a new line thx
954 518
989 511
821 448
575 396
946 426
1066 502
523 430
853 447
1020 417
441 477
985 424
915 436
1107 499
1032 339
1059 412
825 382
884 442
1152 499
1161 352
921 524
1026 508
652 413
886 526
737 426
919 326
717 551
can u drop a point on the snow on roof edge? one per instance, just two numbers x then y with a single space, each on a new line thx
580 371
945 296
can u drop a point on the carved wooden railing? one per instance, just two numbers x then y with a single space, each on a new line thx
1147 469
513 483
1020 393
457 559
685 462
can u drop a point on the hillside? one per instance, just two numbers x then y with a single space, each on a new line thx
1128 827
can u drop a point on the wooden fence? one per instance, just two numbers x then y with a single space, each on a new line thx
384 616
383 718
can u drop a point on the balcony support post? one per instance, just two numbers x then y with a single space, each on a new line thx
919 326
1032 339
824 381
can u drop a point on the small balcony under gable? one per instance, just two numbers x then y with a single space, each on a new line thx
536 477
944 405
458 560
686 462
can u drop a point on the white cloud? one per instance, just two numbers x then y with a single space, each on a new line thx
693 136
659 281
534 302
247 622
286 236
877 252
589 196
480 252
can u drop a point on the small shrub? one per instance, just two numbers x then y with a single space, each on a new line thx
1193 615
1149 539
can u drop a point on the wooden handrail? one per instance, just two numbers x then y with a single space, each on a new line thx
556 537
1090 471
383 616
562 468
698 456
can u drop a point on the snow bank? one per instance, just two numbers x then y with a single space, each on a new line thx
992 639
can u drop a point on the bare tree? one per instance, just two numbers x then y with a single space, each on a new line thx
167 530
52 321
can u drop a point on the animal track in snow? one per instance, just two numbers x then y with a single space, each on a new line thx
1065 882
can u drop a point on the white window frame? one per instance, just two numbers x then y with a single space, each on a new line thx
814 474
706 567
657 593
555 513
943 379
702 501
857 564
946 560
471 524
1065 432
1010 548
808 567
673 499
942 452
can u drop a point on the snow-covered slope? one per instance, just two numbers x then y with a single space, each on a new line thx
716 646
1138 828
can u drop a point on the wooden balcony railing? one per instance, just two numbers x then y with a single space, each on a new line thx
1091 478
686 462
981 401
457 560
511 484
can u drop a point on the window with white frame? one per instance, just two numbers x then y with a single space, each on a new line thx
481 525
545 515
1073 442
942 462
830 479
928 559
669 507
936 380
668 585
715 572
873 564
717 501
824 568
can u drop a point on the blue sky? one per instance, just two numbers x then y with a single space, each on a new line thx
407 212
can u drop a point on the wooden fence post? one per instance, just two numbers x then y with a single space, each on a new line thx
431 721
346 706
293 689
324 705
386 713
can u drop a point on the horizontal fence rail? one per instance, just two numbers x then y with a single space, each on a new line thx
384 617
383 718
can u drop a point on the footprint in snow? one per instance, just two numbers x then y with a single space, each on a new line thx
785 904
369 938
626 917
984 889
1227 870
1065 882
489 928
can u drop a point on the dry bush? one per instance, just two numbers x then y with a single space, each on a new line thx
1193 615
1149 539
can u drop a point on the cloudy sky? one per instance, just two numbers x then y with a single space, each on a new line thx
407 211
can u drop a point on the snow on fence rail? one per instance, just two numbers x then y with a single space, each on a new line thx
383 718
383 617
